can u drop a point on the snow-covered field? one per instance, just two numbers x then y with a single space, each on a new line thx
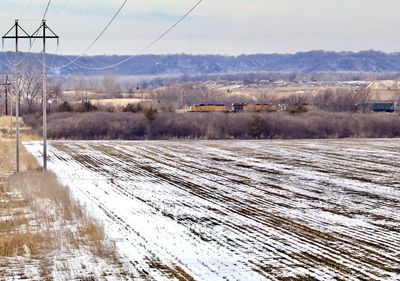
242 210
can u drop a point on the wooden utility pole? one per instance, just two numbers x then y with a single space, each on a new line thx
6 97
16 37
11 117
44 36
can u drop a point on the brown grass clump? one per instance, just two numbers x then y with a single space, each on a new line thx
7 158
51 202
7 129
93 235
25 244
39 218
28 162
5 121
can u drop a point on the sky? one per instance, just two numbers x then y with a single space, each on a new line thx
228 27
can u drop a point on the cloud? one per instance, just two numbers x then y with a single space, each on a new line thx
218 26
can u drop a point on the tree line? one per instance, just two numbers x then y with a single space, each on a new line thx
164 125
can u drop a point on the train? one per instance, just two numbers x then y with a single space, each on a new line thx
256 107
388 107
209 108
238 107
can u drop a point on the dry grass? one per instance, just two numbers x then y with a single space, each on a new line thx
39 218
7 129
6 161
45 202
72 96
7 158
119 102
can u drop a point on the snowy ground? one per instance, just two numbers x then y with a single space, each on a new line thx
45 236
242 210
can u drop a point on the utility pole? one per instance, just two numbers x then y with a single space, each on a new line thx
6 84
44 36
17 36
11 117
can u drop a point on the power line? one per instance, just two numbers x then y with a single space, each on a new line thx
95 41
55 55
60 9
47 9
149 45
155 41
12 64
105 29
26 9
8 64
107 26
34 37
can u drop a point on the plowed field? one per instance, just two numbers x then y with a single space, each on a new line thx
242 210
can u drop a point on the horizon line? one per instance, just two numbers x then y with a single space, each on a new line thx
216 54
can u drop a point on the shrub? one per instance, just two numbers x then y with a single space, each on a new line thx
169 109
87 106
150 113
110 109
297 109
131 107
255 126
65 107
277 125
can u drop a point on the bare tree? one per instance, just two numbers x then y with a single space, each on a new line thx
79 85
343 99
295 99
363 97
325 99
54 91
31 85
111 86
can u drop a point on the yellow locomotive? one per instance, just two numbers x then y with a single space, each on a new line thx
208 108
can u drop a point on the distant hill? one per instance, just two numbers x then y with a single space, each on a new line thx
307 62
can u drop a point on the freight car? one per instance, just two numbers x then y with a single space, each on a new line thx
378 107
260 107
208 108
383 107
238 107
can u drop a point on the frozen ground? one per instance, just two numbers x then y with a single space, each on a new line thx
242 210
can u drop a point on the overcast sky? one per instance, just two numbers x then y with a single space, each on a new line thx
216 27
